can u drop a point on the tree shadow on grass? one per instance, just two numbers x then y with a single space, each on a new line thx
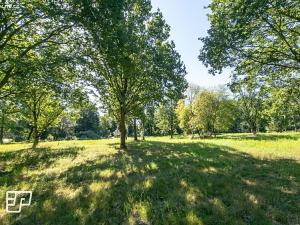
167 183
12 163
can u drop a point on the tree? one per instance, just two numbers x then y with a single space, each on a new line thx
41 108
281 106
260 41
26 26
250 100
65 128
165 117
204 111
87 126
183 113
132 62
192 91
107 125
7 113
247 33
149 119
212 112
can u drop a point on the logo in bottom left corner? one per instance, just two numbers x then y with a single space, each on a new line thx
15 200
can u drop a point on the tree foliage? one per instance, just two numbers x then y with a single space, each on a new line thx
25 28
244 33
130 60
41 109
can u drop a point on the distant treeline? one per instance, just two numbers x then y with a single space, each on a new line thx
201 113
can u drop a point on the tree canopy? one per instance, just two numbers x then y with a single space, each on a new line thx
244 33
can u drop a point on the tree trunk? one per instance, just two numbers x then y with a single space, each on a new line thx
2 129
35 139
30 133
35 126
143 131
122 129
254 131
172 128
199 133
1 133
35 136
135 130
253 128
35 142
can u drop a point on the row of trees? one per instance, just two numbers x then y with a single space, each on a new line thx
202 112
243 109
55 53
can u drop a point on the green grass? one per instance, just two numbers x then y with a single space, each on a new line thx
232 179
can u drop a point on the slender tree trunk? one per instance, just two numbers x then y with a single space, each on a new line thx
122 129
35 138
151 130
253 128
35 130
143 131
35 123
135 130
30 133
2 129
215 133
199 133
254 131
172 126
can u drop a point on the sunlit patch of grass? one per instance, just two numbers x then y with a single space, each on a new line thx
231 179
152 166
192 196
183 183
252 198
139 214
148 183
193 219
209 170
98 186
249 182
66 192
106 173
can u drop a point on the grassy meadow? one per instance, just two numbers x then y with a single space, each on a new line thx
231 179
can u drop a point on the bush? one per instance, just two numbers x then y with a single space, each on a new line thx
86 135
71 138
19 138
50 137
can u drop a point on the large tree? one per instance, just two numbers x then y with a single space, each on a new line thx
50 86
41 109
212 112
129 59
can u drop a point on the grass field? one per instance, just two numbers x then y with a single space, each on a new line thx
233 179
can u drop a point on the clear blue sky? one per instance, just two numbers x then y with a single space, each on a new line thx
188 21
